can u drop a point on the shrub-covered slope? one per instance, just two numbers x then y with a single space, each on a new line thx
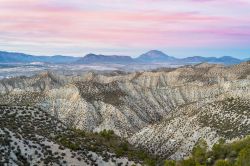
164 111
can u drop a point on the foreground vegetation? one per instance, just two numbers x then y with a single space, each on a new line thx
28 122
106 140
222 154
29 128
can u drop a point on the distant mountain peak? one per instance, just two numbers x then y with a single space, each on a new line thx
155 56
90 55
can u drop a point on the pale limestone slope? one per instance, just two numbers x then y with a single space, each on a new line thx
137 104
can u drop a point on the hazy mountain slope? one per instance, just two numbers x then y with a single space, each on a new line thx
222 60
7 57
155 56
92 58
138 104
11 57
227 60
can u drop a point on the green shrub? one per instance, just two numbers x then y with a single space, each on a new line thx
222 163
244 157
188 162
107 134
169 163
119 152
65 142
124 146
219 151
79 132
200 151
141 155
149 162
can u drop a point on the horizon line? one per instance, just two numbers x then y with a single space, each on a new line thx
74 56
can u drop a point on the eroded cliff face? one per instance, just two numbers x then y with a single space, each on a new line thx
165 111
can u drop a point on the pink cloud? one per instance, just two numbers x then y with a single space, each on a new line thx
37 20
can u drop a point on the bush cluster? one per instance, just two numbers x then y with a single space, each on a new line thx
222 154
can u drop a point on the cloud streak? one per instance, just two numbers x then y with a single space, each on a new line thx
140 24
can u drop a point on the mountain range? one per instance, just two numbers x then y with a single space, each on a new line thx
153 56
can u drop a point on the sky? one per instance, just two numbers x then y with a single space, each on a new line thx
180 28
